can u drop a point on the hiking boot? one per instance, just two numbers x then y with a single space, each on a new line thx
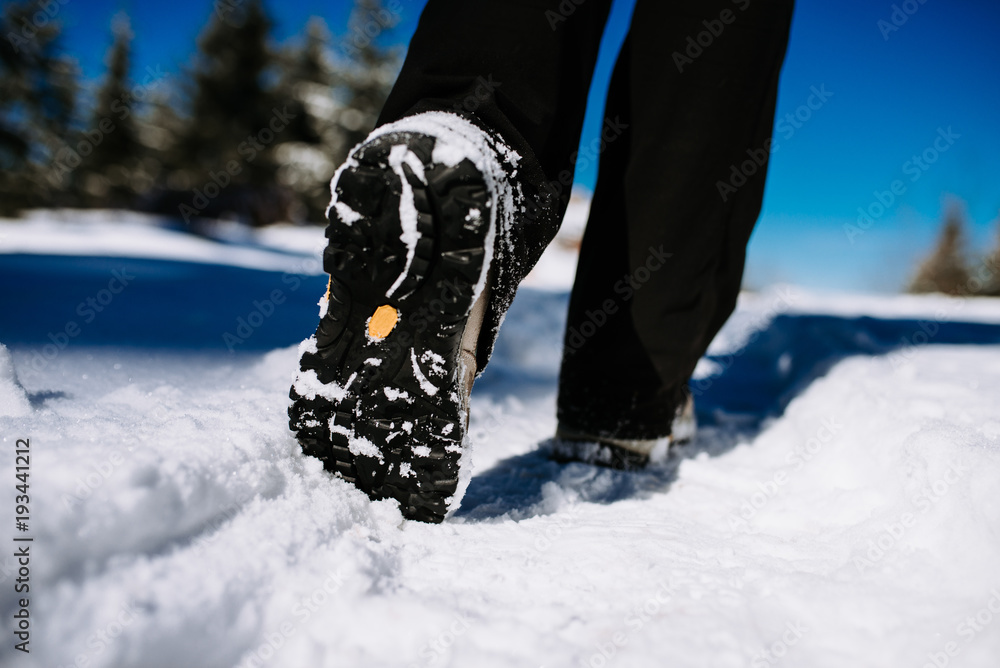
383 389
623 454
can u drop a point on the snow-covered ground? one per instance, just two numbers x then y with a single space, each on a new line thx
839 506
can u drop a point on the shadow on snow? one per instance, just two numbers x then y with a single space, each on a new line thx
756 383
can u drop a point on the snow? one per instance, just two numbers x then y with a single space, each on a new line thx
398 156
133 235
13 401
358 445
425 385
307 384
394 394
838 506
346 213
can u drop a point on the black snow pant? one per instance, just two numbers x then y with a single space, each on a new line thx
682 167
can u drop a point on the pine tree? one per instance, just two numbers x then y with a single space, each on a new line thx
37 102
113 172
946 270
989 272
224 158
312 140
367 77
338 100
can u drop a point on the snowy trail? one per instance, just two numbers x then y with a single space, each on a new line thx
849 518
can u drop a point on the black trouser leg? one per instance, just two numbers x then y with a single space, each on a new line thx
508 62
662 258
521 69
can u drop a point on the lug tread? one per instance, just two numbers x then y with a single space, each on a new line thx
419 462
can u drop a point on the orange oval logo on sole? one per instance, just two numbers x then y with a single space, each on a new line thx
382 321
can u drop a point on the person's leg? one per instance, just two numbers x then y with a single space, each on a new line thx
434 220
662 257
521 69
608 384
508 62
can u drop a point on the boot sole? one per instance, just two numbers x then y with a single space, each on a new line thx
568 448
385 411
606 455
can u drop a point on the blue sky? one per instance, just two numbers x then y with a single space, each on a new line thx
890 97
